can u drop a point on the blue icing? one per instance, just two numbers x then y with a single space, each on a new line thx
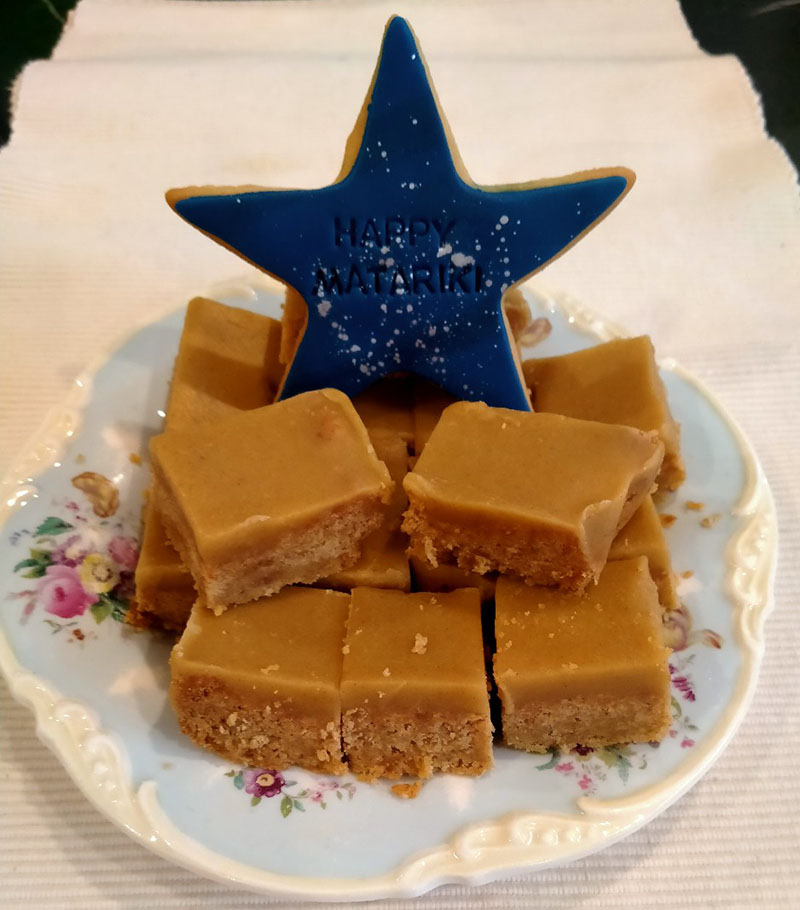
402 263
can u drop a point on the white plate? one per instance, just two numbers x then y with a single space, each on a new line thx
98 689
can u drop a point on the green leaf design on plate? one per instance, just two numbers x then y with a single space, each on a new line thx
238 781
100 610
607 756
286 806
36 564
51 526
298 805
676 708
118 607
555 755
338 794
255 800
623 768
230 773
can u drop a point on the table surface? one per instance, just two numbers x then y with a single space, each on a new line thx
764 35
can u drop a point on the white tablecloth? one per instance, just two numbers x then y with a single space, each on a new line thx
704 255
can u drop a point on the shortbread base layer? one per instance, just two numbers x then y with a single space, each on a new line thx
416 744
162 606
540 558
299 555
581 721
672 473
218 718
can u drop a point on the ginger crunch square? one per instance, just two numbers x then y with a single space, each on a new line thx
584 669
270 497
414 694
540 496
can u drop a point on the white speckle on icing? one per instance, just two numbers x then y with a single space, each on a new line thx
324 307
383 153
444 250
459 260
415 121
504 219
354 348
488 282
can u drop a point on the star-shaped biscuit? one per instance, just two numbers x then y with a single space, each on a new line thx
402 262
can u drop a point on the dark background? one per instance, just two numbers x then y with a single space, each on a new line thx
764 35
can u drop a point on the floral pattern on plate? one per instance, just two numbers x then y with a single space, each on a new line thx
76 564
267 783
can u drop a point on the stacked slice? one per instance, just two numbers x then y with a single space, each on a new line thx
541 527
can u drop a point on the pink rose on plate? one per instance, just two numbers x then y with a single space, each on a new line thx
61 592
124 552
